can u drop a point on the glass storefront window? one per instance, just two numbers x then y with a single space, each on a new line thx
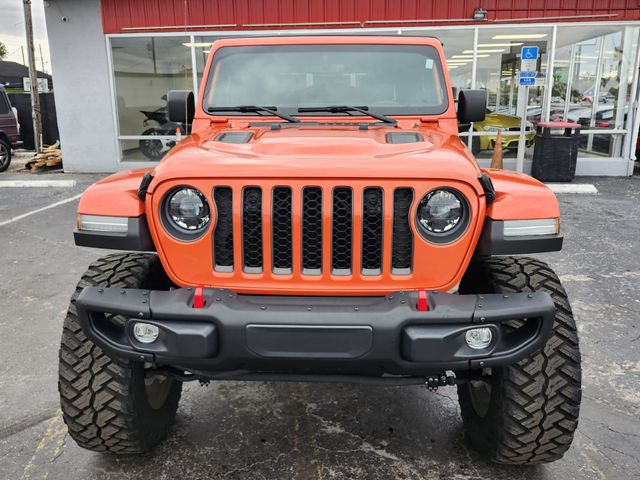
457 43
144 69
202 46
497 71
592 82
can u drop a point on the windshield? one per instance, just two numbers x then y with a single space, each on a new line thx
389 79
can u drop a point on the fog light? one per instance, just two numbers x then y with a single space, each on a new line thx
145 332
478 338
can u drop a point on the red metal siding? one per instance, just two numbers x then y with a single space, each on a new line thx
120 16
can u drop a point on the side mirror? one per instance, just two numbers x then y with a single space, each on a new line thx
472 105
181 106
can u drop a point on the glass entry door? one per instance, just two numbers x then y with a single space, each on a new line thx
512 110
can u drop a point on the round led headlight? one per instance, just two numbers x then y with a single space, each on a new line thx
442 215
186 212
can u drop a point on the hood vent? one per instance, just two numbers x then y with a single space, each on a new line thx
404 137
234 137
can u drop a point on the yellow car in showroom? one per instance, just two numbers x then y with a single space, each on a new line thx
495 122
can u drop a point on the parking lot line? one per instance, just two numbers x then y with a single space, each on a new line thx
572 187
36 183
38 210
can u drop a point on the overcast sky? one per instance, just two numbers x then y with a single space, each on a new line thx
12 30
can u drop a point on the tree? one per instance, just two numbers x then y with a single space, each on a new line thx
3 51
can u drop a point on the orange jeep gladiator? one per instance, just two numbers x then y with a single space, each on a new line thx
322 222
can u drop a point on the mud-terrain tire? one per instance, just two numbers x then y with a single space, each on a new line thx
5 155
107 404
525 413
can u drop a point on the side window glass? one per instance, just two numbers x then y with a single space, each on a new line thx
4 104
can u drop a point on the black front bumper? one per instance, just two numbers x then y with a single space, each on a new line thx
318 335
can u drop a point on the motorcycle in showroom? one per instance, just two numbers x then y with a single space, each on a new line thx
158 121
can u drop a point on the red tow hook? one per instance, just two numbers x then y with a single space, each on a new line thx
423 303
198 297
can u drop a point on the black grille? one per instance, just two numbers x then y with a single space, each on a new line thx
252 229
342 230
402 242
372 231
314 223
223 233
312 230
282 230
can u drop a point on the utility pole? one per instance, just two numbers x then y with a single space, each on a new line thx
33 75
24 62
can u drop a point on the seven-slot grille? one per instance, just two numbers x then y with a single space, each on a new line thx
319 236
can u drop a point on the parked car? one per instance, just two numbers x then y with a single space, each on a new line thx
494 122
9 130
323 222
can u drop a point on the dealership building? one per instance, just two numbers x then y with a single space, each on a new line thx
115 59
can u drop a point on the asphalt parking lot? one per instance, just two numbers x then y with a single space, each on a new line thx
240 430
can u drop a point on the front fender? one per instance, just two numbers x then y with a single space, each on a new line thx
520 197
115 195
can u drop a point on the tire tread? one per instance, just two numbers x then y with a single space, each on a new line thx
95 390
540 395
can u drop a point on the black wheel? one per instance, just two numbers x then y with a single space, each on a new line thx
5 155
152 149
107 404
475 145
525 413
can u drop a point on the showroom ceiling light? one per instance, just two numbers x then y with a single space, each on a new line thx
510 44
469 56
519 36
198 44
496 50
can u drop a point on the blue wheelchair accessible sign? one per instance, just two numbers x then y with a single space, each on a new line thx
528 66
529 53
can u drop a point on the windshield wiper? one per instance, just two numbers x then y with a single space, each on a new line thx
254 109
346 109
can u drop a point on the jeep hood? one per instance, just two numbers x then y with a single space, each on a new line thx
321 152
